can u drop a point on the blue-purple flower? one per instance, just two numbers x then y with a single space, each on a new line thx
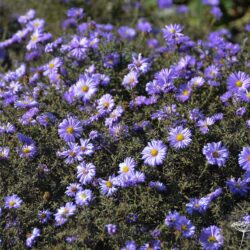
179 137
244 158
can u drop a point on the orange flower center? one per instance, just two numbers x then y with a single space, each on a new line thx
85 88
70 130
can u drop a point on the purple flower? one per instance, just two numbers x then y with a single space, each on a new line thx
12 201
111 229
127 33
158 186
52 67
62 214
179 137
28 151
86 147
72 154
83 197
31 238
155 153
211 2
127 166
216 153
70 129
185 227
86 172
139 64
108 188
244 158
72 189
111 60
44 216
238 187
198 205
183 93
130 80
211 238
164 3
4 152
204 124
85 88
171 219
129 245
240 111
106 103
144 26
238 81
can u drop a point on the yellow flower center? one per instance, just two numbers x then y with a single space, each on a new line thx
211 239
184 227
83 196
34 38
180 137
85 88
26 150
196 205
70 130
185 92
65 210
131 80
248 157
125 169
154 152
239 84
83 148
51 65
172 30
109 184
105 104
12 203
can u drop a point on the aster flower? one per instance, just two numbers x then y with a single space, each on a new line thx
83 197
28 151
111 229
139 64
4 152
185 227
111 60
129 245
85 88
77 47
144 26
126 32
244 158
211 238
216 153
64 212
72 189
179 137
44 216
109 187
198 205
171 219
114 116
155 153
238 81
71 154
12 201
106 103
86 172
53 66
31 238
130 80
204 124
127 166
238 187
158 186
86 147
70 129
183 93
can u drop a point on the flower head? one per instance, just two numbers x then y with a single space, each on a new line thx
179 137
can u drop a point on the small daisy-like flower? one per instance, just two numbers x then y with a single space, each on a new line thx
238 187
155 153
64 212
53 66
28 151
184 93
86 173
244 158
216 153
130 80
198 205
106 103
44 216
127 166
185 227
139 64
108 187
72 189
70 129
31 238
83 197
85 88
211 238
12 201
86 147
238 81
111 229
4 152
179 137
